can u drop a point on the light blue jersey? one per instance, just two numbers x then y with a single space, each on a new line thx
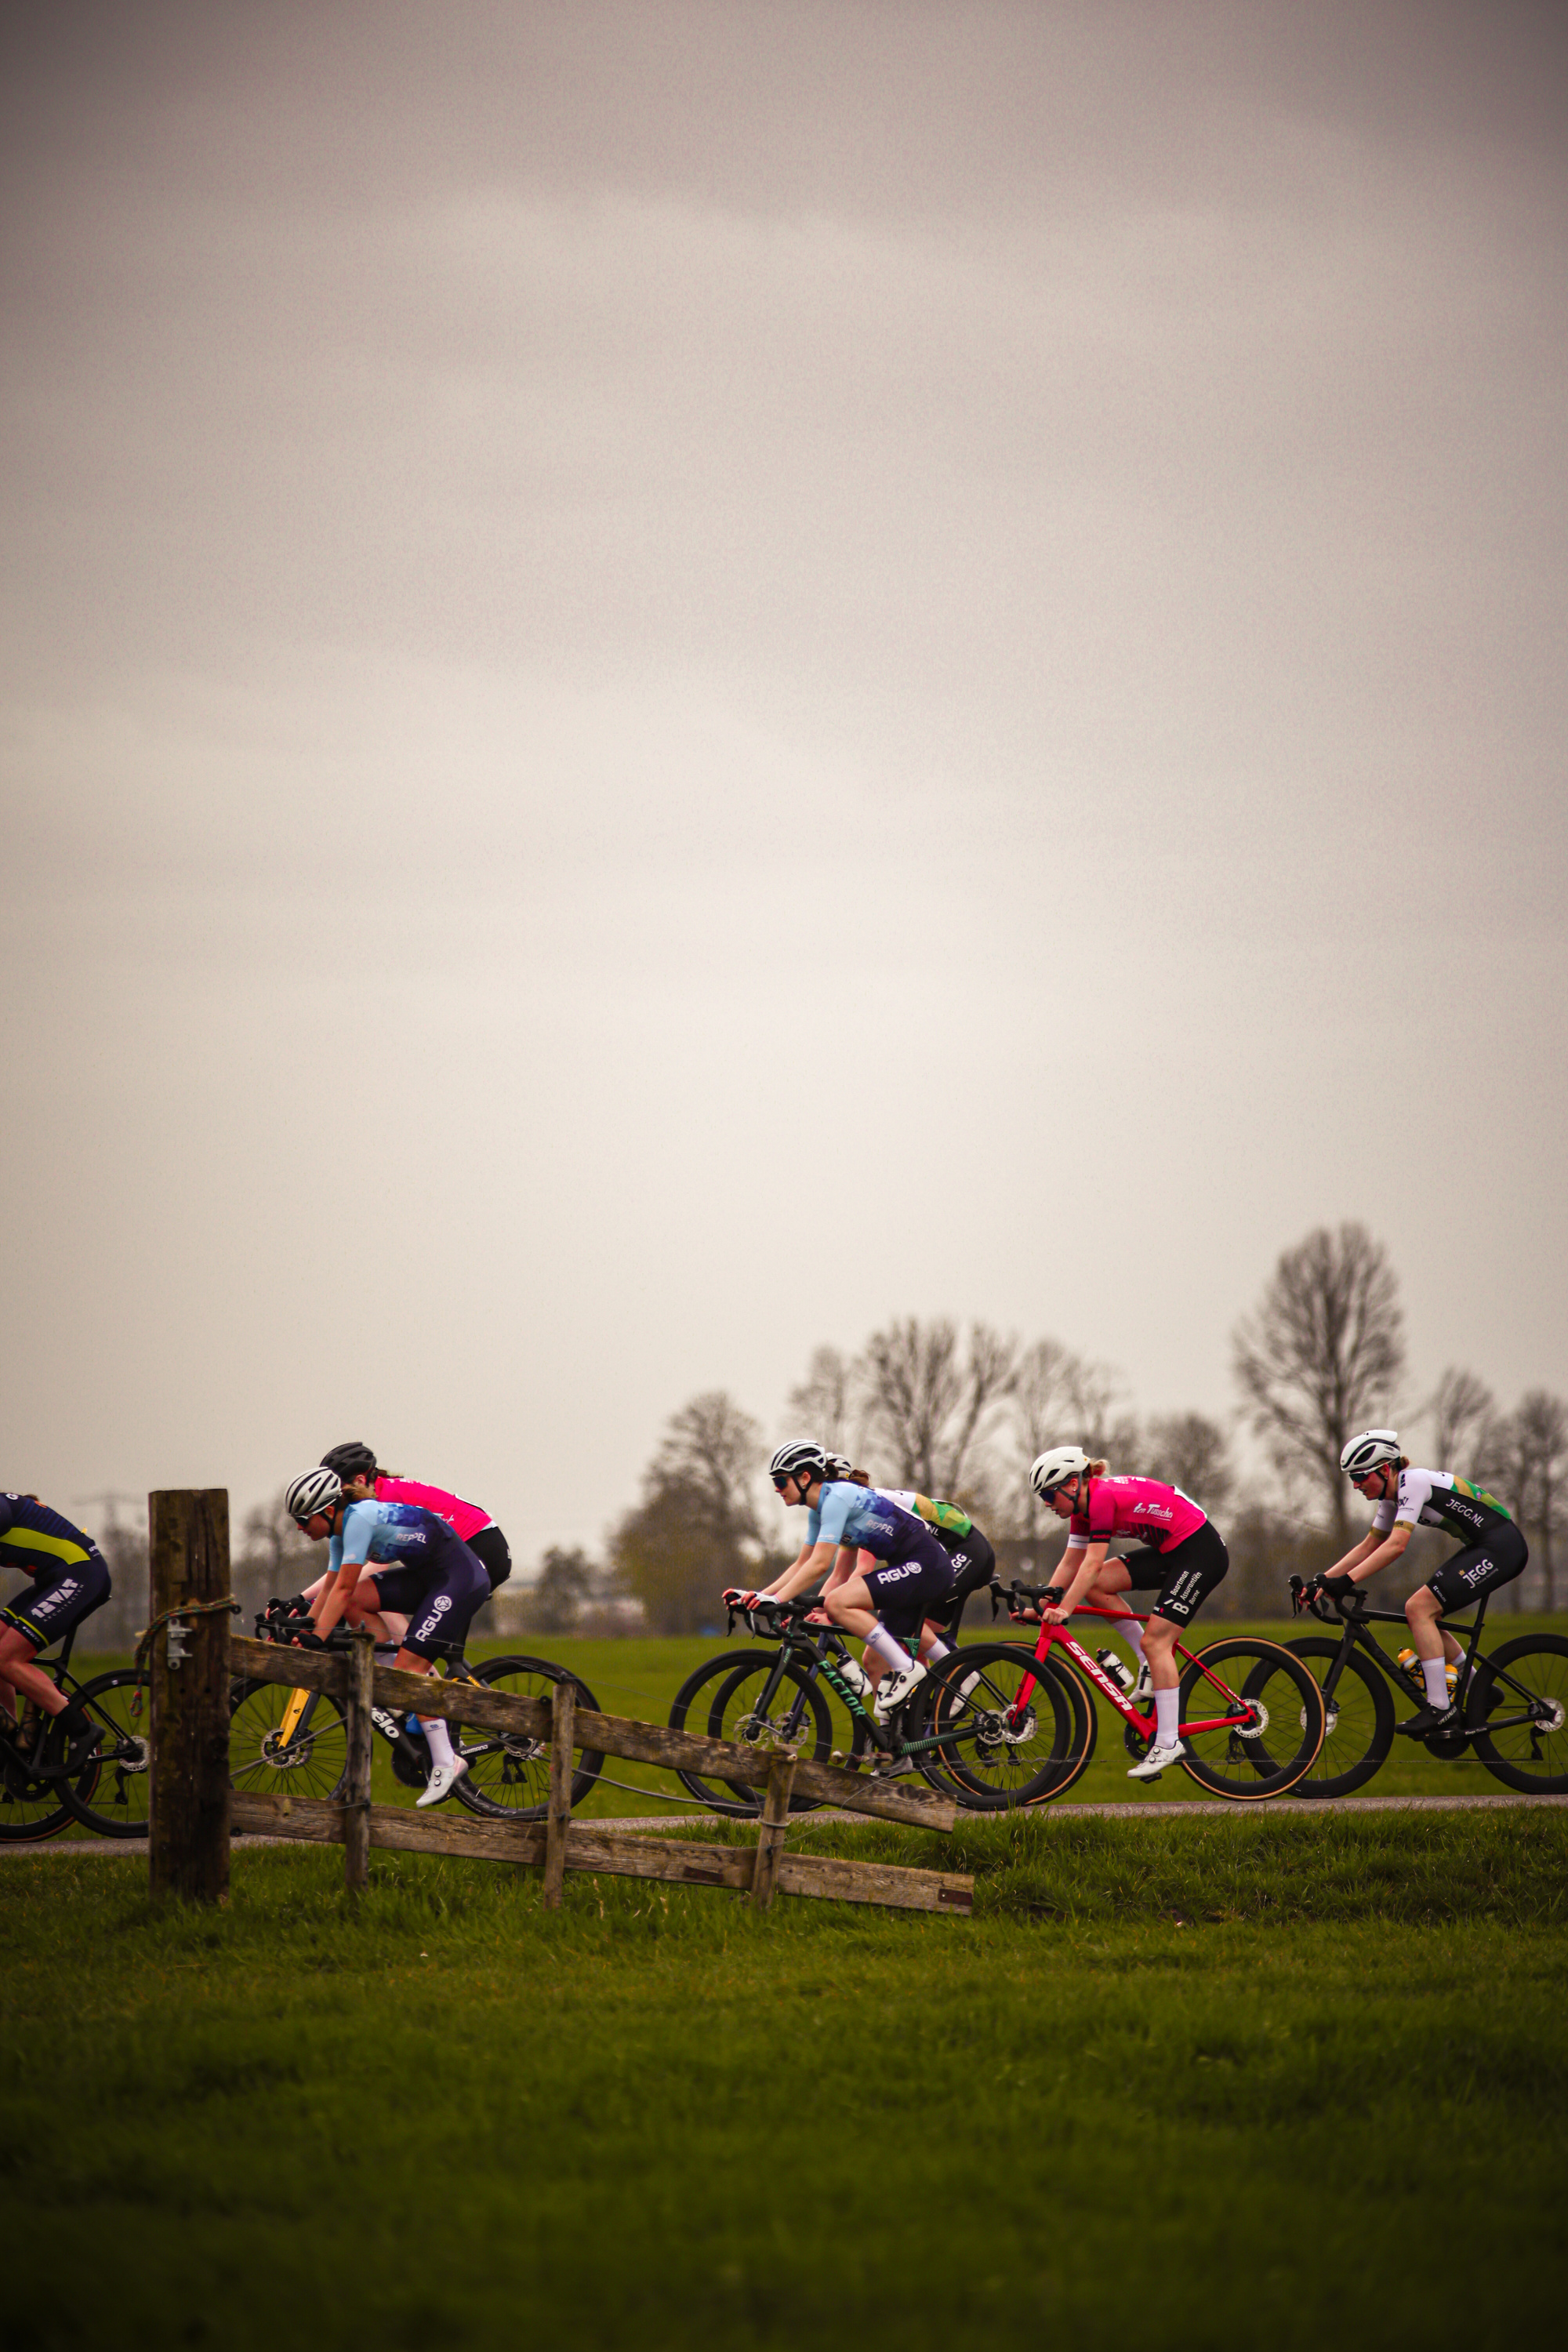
385 1532
862 1516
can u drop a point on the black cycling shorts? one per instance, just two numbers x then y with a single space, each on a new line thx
58 1599
1480 1568
490 1547
973 1566
1187 1573
438 1597
905 1592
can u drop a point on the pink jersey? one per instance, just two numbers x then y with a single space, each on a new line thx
465 1519
1157 1515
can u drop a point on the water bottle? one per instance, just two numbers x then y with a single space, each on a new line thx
858 1680
1412 1666
1120 1673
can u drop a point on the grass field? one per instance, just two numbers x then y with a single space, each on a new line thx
1224 2080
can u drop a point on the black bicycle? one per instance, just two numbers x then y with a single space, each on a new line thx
284 1741
1513 1702
779 1697
110 1790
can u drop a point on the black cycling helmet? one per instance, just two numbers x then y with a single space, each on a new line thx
351 1461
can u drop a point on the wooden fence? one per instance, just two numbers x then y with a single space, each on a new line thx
193 1808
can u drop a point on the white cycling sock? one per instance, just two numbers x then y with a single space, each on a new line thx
939 1649
1167 1717
1435 1672
888 1649
440 1739
1132 1633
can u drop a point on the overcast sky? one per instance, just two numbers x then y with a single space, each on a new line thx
678 677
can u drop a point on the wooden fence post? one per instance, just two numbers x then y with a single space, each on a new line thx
188 1561
775 1825
356 1771
563 1710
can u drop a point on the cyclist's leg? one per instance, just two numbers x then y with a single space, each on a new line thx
57 1600
456 1585
1480 1567
492 1551
1188 1573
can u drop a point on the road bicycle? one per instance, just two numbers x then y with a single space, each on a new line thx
111 1792
284 1741
779 1697
1513 1703
1252 1717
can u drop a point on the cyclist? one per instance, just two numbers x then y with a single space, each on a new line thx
421 1566
1181 1552
70 1580
1494 1552
911 1573
363 1477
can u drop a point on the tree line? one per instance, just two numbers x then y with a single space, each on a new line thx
963 1412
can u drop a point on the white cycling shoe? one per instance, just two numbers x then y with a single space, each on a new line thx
444 1779
1159 1759
894 1688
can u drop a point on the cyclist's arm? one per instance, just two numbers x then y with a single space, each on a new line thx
1374 1552
335 1598
806 1570
1363 1551
1089 1562
776 1591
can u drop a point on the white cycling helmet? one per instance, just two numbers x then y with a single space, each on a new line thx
801 1458
1370 1451
1056 1467
840 1465
312 1491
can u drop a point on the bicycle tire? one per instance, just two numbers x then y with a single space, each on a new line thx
119 1796
30 1809
1244 1765
1358 1729
315 1760
992 1761
504 1761
711 1703
1531 1757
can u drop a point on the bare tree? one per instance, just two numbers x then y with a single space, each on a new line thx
695 1530
1320 1355
1042 1399
1534 1451
561 1590
1189 1451
930 1402
822 1406
717 1449
1463 1411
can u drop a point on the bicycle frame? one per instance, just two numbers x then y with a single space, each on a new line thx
1355 1625
815 1649
1057 1637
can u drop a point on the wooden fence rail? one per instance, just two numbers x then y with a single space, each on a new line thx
193 1807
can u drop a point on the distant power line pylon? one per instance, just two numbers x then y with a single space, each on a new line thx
110 1503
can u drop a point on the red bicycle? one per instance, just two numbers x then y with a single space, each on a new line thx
1252 1714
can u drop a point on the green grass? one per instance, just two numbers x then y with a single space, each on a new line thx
1289 2081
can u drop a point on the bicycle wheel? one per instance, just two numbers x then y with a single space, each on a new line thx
509 1776
1252 1719
756 1698
114 1795
1517 1714
1003 1745
1358 1729
310 1763
30 1809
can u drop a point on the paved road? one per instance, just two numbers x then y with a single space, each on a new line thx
129 1848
